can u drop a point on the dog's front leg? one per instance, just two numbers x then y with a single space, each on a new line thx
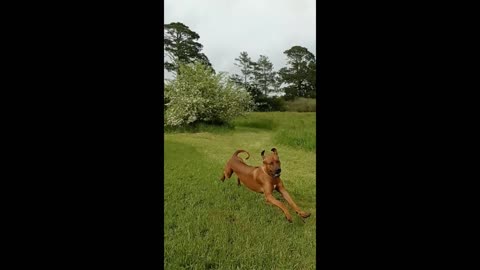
290 201
269 198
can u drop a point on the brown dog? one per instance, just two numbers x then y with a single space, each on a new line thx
263 179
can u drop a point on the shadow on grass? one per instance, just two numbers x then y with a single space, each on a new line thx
239 125
202 127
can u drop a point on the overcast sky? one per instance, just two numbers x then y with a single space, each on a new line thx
228 27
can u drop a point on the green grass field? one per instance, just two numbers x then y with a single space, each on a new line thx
302 105
211 224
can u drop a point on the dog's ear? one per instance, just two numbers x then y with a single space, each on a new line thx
263 154
274 150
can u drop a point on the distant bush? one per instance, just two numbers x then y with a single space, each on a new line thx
269 104
198 95
301 105
277 104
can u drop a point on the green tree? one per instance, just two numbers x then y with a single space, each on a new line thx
264 75
299 76
181 47
259 79
238 80
246 65
277 83
312 78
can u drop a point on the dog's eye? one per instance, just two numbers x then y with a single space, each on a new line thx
271 163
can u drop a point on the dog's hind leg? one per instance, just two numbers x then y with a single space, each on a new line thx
227 173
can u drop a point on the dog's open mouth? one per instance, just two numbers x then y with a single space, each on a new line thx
276 175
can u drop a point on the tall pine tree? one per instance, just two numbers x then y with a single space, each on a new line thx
264 75
299 75
181 46
244 62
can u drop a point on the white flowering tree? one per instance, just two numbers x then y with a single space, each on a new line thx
199 95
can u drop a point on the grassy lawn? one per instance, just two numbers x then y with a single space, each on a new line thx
215 225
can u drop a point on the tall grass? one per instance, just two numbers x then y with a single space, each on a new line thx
255 120
289 128
298 136
302 105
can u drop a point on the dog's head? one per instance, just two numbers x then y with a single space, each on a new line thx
272 163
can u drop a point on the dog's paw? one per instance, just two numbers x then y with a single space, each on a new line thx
289 218
304 214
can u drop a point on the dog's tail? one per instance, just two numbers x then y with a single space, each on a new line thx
240 151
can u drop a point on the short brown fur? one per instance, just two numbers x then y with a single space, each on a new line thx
263 179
